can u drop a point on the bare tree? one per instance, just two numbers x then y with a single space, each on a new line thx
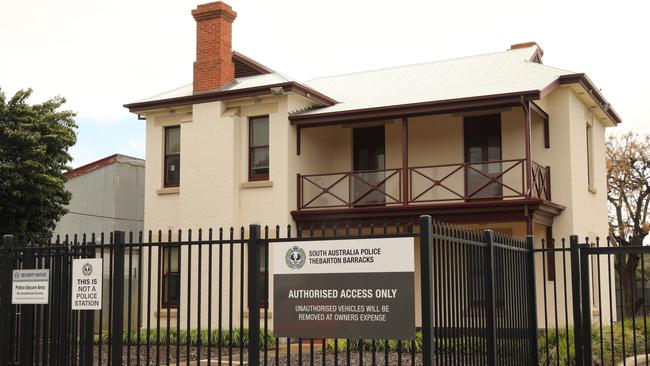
628 185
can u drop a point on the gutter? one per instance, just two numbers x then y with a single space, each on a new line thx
414 109
594 92
212 96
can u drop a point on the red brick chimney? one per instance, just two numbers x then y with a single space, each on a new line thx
213 67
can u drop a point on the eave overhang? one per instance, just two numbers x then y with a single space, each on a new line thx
217 95
415 109
582 80
537 210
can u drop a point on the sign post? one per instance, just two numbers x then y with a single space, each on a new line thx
86 292
351 288
31 286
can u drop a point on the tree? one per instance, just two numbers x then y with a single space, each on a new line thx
34 143
628 185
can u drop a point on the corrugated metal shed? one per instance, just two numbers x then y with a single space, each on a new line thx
107 195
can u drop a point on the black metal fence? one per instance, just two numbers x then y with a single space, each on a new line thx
202 297
595 307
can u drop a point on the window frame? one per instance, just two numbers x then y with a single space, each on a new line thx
263 275
589 151
165 255
166 182
251 148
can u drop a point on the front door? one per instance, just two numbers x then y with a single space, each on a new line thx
368 154
483 144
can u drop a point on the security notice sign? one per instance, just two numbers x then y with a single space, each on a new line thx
30 286
87 284
352 288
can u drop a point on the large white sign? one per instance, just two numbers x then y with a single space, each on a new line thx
87 284
348 288
30 286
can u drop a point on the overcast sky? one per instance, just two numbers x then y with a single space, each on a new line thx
102 54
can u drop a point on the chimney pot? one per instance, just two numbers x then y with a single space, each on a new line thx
213 67
526 45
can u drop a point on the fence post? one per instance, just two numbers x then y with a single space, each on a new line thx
532 302
253 296
426 284
27 316
586 304
118 297
490 309
89 326
5 299
575 291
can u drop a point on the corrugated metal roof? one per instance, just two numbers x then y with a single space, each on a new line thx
240 83
490 74
508 71
98 164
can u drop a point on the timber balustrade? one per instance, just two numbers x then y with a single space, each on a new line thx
431 184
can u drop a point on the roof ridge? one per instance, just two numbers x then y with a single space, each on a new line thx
550 68
519 50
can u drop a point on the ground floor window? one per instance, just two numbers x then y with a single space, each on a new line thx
171 279
262 289
477 273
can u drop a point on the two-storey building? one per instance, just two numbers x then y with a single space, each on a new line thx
498 140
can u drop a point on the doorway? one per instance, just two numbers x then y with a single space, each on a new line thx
482 145
368 163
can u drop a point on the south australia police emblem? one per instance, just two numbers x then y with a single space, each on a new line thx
295 257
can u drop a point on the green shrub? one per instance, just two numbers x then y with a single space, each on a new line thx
380 345
602 354
191 337
557 342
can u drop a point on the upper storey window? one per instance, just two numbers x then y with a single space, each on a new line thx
258 148
172 156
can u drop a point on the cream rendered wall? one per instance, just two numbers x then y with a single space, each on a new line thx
585 212
436 140
214 192
590 202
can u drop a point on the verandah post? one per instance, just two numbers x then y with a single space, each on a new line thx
118 298
253 296
5 299
426 284
532 301
490 309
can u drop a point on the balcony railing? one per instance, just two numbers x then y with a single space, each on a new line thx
434 184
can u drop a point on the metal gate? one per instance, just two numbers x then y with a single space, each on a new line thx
201 297
617 331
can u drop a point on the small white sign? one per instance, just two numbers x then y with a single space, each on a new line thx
30 286
87 284
344 256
